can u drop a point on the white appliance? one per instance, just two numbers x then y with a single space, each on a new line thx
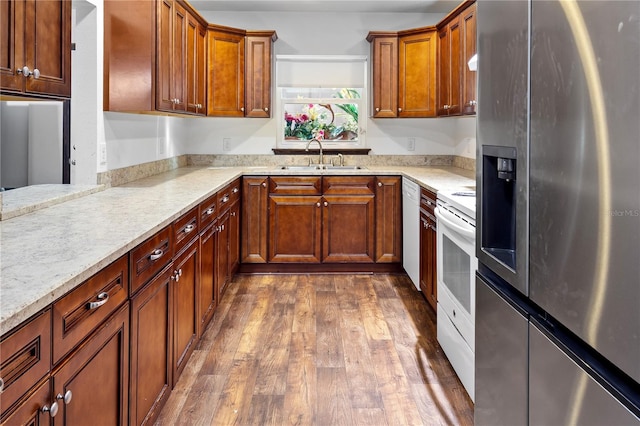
411 230
457 266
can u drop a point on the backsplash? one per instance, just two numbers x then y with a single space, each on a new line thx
125 175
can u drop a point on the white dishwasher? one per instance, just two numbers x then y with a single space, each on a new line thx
411 230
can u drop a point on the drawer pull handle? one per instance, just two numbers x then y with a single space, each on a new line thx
235 190
66 398
209 211
189 228
225 199
53 410
102 299
157 254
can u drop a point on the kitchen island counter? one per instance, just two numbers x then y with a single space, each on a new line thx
46 253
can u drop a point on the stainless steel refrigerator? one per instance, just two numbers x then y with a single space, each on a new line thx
558 244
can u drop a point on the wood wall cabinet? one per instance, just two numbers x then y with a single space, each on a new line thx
196 66
154 57
388 219
225 71
469 78
254 235
428 247
417 78
404 73
35 48
258 67
384 54
239 72
456 83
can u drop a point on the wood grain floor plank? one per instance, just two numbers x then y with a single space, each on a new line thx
330 352
334 407
300 398
319 350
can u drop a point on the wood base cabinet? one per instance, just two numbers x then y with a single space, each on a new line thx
388 219
254 235
151 333
207 290
184 285
92 385
428 247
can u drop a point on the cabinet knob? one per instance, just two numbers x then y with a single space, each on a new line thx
26 72
242 109
235 190
66 398
377 109
326 204
318 204
399 109
380 184
266 109
36 73
473 102
53 410
264 184
233 214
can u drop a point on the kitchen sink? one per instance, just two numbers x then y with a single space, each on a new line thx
321 167
303 168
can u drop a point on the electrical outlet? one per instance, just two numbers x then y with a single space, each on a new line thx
412 144
226 144
103 154
161 146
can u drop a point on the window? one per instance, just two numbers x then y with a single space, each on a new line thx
316 99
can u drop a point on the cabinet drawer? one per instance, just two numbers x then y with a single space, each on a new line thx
208 209
295 185
150 257
234 190
26 358
348 185
427 200
30 412
185 229
78 313
224 200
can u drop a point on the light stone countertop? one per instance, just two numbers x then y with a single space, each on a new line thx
46 253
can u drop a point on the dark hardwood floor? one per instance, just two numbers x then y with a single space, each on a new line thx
319 350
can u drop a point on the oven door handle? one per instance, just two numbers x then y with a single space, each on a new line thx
450 220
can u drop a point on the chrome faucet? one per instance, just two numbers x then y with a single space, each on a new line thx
320 145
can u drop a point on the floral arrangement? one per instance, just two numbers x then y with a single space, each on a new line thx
317 121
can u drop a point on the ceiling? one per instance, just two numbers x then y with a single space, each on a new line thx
362 6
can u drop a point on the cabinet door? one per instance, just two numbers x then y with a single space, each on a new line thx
417 79
234 237
184 285
225 80
97 375
348 229
222 259
196 66
295 224
258 76
388 219
150 377
450 84
468 50
48 47
207 296
428 243
171 57
384 51
255 194
12 44
30 411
